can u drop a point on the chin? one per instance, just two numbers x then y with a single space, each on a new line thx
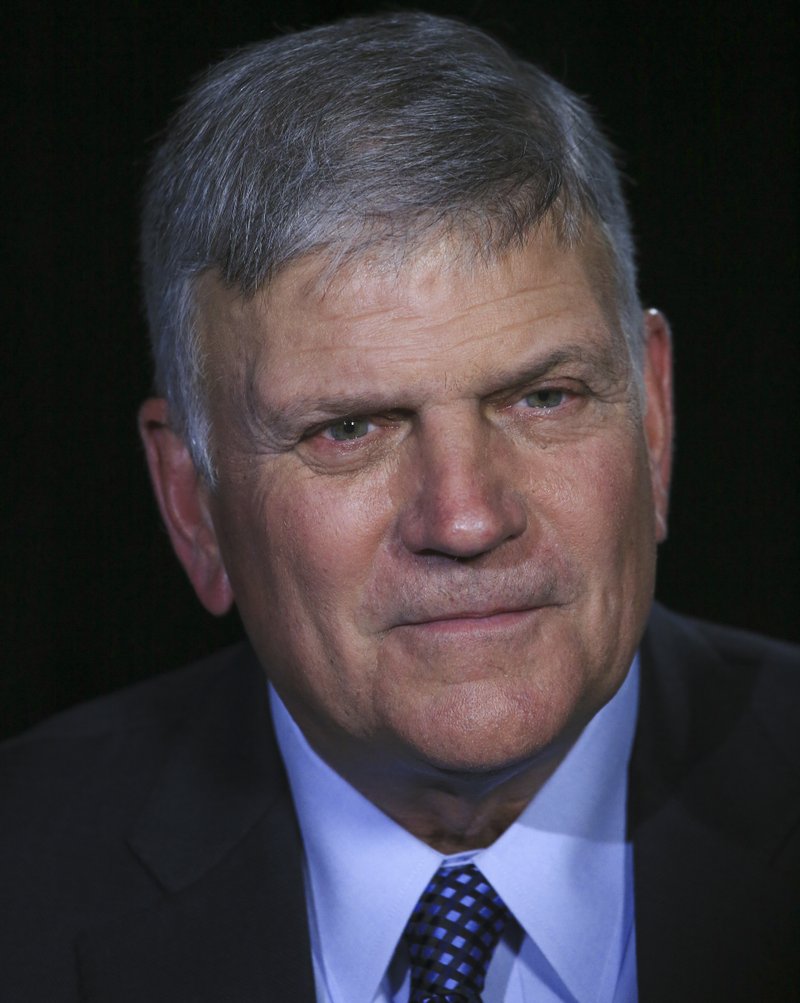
477 730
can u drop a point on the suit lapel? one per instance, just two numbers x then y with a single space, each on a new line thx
711 803
220 838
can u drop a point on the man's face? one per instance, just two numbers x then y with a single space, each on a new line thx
436 501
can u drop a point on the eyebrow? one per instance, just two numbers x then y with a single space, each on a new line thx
281 422
602 363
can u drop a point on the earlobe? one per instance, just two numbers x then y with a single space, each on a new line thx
658 417
182 499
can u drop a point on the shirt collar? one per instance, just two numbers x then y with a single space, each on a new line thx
365 873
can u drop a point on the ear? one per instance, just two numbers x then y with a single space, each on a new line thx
182 497
658 417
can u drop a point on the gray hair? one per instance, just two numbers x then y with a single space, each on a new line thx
380 131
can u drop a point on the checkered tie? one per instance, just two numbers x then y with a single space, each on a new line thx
451 936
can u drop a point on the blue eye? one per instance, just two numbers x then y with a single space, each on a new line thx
348 429
545 398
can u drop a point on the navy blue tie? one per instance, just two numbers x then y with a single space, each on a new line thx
451 936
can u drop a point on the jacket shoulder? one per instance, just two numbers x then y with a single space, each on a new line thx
746 647
100 752
728 669
71 792
163 697
714 806
96 760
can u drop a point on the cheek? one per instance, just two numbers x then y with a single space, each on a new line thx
599 500
310 544
332 531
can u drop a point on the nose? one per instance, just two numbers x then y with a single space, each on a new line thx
463 503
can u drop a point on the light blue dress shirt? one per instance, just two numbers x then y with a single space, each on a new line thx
563 868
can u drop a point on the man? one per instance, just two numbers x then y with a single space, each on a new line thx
414 423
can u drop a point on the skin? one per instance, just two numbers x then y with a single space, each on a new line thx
437 510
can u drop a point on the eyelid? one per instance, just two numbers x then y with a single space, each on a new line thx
374 420
355 419
566 387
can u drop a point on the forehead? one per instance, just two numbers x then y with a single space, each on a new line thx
377 309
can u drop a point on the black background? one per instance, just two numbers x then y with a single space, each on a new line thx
700 97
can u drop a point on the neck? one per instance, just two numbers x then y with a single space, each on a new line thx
452 811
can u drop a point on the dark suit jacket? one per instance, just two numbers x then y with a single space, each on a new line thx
149 850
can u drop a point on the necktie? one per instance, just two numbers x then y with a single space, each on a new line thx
451 936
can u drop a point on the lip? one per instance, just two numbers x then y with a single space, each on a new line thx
467 621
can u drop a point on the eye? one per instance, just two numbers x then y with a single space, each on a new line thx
545 399
348 429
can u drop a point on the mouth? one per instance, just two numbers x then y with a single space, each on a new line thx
473 621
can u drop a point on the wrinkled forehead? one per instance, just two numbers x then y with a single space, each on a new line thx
401 282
